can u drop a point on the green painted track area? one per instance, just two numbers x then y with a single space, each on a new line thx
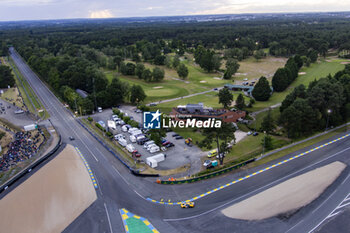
136 224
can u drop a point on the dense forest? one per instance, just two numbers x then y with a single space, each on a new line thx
73 55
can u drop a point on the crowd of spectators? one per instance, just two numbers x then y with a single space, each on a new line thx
22 148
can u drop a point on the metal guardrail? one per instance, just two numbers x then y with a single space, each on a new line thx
104 145
207 176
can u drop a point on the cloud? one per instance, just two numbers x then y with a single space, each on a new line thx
101 14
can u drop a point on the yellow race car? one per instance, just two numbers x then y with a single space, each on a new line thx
187 204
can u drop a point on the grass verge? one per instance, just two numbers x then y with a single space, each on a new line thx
28 95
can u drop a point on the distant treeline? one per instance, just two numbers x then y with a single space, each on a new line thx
71 56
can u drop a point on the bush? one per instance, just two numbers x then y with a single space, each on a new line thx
126 119
116 111
121 115
109 134
90 119
100 127
144 108
133 123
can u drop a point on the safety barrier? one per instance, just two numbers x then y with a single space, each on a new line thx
105 146
210 175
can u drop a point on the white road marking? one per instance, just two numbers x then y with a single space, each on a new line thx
109 221
261 188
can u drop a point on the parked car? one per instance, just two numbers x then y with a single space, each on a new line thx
135 153
178 137
152 104
215 89
207 163
255 134
170 145
118 136
249 133
71 138
212 153
138 111
175 135
122 142
99 109
102 124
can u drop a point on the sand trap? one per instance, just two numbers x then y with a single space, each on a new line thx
240 135
203 81
217 78
287 196
158 87
345 62
51 198
244 74
301 73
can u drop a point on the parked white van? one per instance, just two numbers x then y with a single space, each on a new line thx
150 146
130 148
131 130
132 138
148 143
122 142
124 128
154 149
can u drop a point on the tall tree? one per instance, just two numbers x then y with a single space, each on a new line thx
240 104
182 71
221 136
139 70
6 77
158 74
262 90
137 94
268 123
225 97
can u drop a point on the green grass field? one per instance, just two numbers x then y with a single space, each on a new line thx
198 80
315 71
275 113
28 94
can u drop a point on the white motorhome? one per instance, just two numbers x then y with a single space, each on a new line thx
150 146
154 149
130 148
148 143
122 142
112 127
132 138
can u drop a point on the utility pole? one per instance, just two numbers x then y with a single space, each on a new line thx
329 111
264 143
93 86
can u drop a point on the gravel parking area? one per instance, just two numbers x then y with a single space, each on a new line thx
17 119
176 156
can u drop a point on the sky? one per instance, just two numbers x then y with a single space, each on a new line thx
68 9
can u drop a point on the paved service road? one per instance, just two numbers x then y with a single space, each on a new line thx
119 189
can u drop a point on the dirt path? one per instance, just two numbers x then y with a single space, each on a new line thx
51 198
287 196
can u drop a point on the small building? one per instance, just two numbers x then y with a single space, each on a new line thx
82 93
201 112
246 89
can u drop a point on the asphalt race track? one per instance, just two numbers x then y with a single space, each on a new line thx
118 188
